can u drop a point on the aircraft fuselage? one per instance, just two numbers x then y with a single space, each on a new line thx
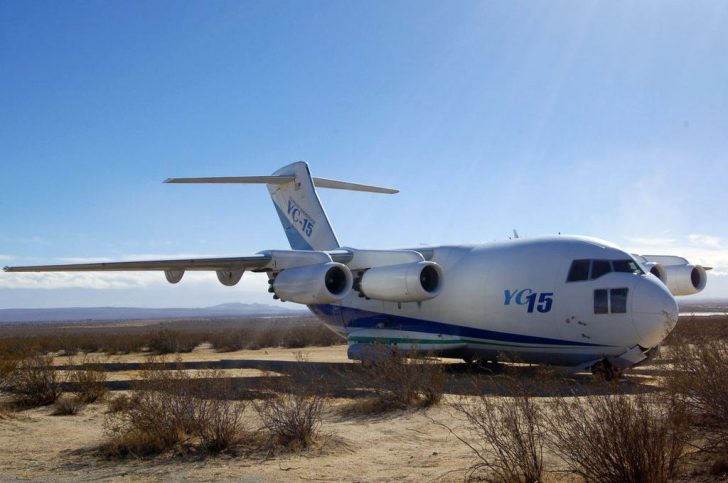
515 298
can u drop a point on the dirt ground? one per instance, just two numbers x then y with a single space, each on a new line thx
405 445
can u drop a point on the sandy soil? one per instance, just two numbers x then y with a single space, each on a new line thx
405 446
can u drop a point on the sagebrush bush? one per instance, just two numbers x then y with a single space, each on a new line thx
619 438
8 364
166 337
35 382
398 382
293 413
505 433
88 379
699 377
170 410
67 406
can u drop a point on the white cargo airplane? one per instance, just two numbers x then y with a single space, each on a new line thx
566 301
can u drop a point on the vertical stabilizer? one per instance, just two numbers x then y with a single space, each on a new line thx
300 210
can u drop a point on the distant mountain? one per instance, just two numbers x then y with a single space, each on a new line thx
80 314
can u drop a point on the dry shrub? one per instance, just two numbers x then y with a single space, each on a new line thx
293 414
398 382
171 410
289 337
67 406
88 379
619 438
507 434
698 377
696 329
165 337
167 341
122 402
36 382
8 364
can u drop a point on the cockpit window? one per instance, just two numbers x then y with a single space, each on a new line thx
626 266
579 271
599 268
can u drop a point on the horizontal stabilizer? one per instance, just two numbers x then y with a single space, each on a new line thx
283 179
342 185
236 180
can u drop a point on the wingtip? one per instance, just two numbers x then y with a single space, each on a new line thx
168 180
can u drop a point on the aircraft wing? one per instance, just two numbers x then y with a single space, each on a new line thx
230 263
271 260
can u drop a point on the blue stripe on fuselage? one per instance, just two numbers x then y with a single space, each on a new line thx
353 318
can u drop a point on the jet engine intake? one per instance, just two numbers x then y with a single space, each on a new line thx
409 282
685 279
313 284
658 271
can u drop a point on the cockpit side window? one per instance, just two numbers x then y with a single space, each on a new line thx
601 302
579 271
612 301
618 300
599 268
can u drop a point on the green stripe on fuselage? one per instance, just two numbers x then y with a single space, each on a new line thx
406 340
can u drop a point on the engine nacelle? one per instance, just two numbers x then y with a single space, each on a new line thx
230 277
174 276
657 270
409 282
322 283
685 279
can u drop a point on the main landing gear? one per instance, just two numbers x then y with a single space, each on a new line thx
606 370
488 365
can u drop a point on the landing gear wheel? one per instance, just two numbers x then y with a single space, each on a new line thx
606 371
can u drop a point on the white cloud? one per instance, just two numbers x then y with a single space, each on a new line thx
5 257
707 241
652 242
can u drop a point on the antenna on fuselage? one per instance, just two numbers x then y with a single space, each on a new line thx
515 234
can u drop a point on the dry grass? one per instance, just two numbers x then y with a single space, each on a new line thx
67 406
618 438
506 434
293 413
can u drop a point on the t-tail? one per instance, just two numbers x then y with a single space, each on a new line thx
293 191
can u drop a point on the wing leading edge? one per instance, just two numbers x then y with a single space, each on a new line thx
230 263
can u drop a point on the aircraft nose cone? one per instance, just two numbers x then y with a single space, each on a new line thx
654 311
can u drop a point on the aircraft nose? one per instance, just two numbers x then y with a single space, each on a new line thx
654 311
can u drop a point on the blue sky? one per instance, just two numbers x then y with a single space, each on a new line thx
607 119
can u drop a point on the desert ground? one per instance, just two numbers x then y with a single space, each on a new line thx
414 444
